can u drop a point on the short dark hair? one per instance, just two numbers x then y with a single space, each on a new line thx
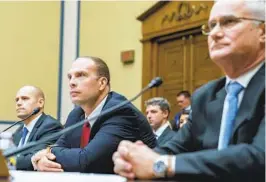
159 101
102 68
185 93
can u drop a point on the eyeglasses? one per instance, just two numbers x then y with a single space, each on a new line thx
225 23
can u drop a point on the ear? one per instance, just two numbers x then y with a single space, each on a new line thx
41 102
166 114
262 33
103 83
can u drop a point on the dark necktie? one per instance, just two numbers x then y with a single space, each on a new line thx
227 124
24 134
85 136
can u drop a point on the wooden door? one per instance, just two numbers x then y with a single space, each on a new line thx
172 58
202 69
184 64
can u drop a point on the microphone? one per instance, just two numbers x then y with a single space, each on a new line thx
11 152
155 82
35 111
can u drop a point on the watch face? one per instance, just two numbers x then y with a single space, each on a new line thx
159 168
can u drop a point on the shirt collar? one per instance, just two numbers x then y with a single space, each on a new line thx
96 111
160 130
245 78
187 108
31 125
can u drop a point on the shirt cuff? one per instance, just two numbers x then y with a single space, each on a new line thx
173 163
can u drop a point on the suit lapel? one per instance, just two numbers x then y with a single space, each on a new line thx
17 136
36 126
161 138
250 98
214 109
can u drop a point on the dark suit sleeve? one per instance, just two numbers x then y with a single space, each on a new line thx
100 149
73 116
237 162
23 161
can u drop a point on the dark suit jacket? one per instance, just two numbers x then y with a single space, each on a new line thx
167 134
45 126
125 123
244 159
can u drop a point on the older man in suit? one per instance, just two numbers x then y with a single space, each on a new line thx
157 113
226 139
35 127
90 148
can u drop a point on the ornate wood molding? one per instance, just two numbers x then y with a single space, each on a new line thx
184 11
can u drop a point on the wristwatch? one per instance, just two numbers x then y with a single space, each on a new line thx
160 166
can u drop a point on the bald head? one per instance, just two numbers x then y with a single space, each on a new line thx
27 99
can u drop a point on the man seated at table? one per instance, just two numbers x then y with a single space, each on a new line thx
226 140
90 148
35 127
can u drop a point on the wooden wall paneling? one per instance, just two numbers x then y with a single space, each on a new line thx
174 48
191 61
204 69
155 67
147 74
172 61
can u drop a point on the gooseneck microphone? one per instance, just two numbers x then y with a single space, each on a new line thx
35 111
11 152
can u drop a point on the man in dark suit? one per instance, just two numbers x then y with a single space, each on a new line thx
34 128
184 102
226 140
90 148
157 113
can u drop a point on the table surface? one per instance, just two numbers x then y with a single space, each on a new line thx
26 176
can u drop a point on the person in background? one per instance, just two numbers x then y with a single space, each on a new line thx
34 128
226 139
157 113
183 100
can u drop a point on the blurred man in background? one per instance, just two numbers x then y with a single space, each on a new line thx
184 103
157 113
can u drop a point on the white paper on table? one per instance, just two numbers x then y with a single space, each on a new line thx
26 176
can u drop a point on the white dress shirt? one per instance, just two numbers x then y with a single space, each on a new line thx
96 112
29 127
244 81
161 129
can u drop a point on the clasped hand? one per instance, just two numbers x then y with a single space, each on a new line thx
133 160
43 161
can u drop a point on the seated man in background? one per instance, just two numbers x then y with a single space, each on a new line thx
183 101
90 148
157 113
35 127
183 119
226 140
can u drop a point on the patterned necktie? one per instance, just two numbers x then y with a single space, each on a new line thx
228 123
24 134
85 137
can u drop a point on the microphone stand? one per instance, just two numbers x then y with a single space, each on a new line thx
11 152
35 111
